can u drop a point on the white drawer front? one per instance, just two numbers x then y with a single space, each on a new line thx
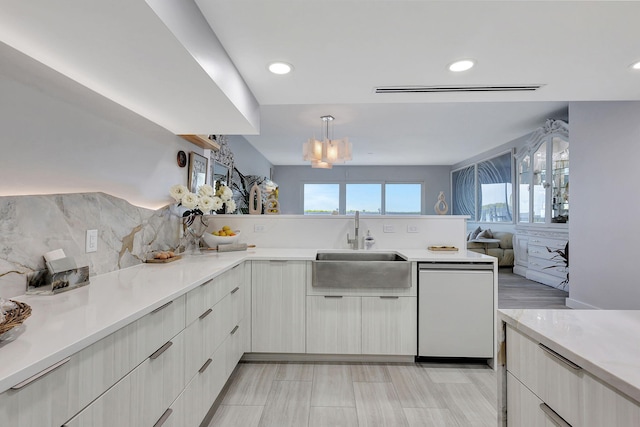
555 380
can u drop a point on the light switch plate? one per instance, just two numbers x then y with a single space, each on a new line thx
388 228
258 228
91 243
412 228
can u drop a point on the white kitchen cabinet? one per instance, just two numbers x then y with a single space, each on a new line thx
605 406
334 324
389 325
142 396
278 306
555 380
58 395
235 345
523 407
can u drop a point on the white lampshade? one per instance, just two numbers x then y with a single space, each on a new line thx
325 153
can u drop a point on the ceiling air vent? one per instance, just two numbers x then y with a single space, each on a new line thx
470 88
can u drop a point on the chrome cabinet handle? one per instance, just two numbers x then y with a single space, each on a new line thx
553 416
205 314
388 297
333 296
162 307
236 289
559 357
161 350
163 418
205 366
41 374
234 330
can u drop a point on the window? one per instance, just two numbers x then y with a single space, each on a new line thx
484 190
402 199
321 199
372 198
366 198
495 190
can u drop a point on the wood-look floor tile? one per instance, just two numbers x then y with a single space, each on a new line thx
294 372
377 405
288 404
332 386
486 382
414 387
446 375
251 384
370 373
236 416
333 417
469 406
430 417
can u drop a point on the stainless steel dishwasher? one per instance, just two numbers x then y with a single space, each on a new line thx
455 309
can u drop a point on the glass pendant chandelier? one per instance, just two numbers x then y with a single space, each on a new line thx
324 153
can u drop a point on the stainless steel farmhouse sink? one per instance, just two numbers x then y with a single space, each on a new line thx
354 269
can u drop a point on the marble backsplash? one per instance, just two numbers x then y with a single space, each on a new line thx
33 225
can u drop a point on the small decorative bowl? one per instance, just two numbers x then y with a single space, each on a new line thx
213 241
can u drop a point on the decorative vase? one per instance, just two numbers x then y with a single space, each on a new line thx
194 227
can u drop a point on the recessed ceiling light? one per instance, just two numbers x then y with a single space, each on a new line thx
462 65
635 66
280 68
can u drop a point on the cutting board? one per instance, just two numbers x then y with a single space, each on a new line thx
163 261
443 248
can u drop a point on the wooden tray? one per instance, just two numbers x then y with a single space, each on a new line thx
163 261
443 248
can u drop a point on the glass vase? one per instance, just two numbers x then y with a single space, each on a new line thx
194 226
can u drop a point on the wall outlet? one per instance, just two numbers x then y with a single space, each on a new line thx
91 242
388 228
412 228
258 228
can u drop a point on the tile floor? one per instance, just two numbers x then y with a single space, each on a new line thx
385 395
358 394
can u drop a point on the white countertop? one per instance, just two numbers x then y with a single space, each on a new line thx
602 342
61 325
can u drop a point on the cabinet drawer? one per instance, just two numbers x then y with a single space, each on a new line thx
389 325
547 266
334 325
205 335
541 252
523 407
142 396
551 377
605 406
547 242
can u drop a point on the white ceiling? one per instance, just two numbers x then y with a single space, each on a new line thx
342 50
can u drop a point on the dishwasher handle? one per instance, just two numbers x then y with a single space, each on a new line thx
455 266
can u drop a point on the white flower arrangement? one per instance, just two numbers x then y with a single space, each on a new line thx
204 201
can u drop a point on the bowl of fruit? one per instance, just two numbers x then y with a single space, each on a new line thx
223 236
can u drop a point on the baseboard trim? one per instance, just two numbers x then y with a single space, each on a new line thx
298 357
579 305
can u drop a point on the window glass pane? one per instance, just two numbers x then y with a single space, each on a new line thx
463 183
402 199
494 185
366 198
321 199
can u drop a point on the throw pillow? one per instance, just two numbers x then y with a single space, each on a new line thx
485 234
474 233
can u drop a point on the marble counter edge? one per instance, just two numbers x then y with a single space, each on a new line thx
593 367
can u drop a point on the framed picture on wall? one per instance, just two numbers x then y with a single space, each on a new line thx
198 171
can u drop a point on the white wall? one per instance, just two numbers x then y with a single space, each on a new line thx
247 159
605 203
59 137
